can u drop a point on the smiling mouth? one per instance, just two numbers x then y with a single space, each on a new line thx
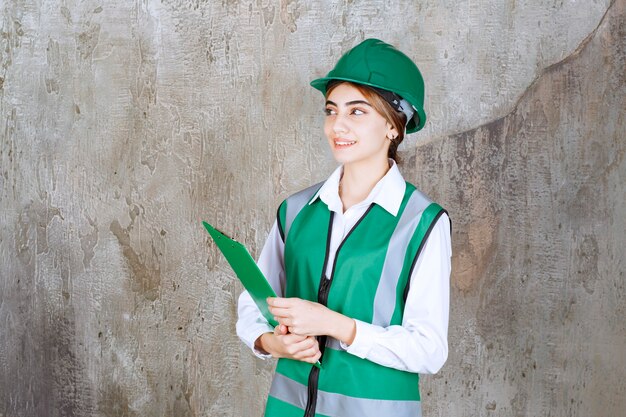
344 143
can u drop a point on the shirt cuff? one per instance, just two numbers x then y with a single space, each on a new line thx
363 340
256 333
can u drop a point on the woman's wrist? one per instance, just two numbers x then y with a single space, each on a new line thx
344 328
262 343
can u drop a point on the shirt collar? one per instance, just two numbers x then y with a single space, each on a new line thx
387 193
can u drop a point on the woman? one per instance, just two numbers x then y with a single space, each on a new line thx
361 262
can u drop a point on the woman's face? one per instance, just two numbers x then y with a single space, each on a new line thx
356 132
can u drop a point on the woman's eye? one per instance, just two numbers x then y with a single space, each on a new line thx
357 112
329 112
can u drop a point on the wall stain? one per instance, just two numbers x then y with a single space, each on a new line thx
32 228
113 402
145 271
63 388
87 40
268 12
23 238
289 14
88 242
586 262
67 14
53 59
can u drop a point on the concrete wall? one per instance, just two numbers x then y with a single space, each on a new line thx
123 124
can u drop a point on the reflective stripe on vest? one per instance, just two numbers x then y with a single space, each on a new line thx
332 404
295 204
384 300
333 343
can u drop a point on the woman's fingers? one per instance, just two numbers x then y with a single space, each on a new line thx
303 349
281 311
307 353
310 357
315 358
281 330
283 316
300 316
285 321
279 301
291 339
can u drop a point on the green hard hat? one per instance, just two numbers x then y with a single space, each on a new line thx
377 64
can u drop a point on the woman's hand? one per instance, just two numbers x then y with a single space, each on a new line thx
307 318
282 344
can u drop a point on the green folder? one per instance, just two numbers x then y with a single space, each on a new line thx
246 269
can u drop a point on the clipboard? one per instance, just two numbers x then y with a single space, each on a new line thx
246 269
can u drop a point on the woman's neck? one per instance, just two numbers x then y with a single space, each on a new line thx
358 180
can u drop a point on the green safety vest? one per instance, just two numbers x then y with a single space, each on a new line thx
369 282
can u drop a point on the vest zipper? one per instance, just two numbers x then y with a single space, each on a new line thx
322 298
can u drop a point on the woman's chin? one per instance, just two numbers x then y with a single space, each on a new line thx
342 158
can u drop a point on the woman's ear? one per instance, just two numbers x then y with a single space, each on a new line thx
392 132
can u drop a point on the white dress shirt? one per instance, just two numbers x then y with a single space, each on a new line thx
420 344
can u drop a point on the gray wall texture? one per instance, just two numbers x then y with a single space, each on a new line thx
123 124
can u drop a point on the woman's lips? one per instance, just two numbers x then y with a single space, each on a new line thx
343 143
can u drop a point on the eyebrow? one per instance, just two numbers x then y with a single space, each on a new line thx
349 103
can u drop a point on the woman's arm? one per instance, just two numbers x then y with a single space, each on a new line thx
309 318
251 324
420 344
254 330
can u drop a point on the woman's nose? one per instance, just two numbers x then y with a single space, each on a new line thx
339 124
